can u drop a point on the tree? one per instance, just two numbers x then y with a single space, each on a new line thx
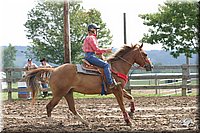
174 26
45 29
9 56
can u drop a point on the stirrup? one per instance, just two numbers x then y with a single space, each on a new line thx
116 83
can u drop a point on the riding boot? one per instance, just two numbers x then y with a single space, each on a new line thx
111 86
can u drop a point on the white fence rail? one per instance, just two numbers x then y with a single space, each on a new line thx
185 76
184 79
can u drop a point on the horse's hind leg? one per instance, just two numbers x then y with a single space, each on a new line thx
54 101
132 104
70 100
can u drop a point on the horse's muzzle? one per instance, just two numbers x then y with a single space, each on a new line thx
148 67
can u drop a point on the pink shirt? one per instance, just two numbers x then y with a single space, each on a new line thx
91 45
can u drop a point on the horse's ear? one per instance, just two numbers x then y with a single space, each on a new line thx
141 46
131 45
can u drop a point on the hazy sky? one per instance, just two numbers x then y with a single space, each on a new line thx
14 14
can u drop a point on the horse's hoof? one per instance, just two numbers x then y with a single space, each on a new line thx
129 124
130 114
89 126
50 120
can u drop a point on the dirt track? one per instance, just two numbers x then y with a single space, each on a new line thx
152 114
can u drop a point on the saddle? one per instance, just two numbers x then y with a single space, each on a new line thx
89 67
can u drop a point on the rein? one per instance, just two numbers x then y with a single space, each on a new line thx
145 60
121 75
125 60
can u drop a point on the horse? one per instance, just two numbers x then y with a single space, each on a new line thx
64 80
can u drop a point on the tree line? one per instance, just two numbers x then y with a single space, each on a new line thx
174 26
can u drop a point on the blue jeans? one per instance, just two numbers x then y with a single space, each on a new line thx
44 85
91 58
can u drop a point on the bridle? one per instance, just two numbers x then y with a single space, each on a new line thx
125 60
147 61
121 75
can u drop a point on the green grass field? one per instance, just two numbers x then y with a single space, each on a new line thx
4 95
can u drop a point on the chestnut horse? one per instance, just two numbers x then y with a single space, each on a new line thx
64 80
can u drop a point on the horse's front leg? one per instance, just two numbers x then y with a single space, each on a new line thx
132 104
119 96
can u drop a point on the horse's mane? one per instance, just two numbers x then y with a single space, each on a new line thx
126 48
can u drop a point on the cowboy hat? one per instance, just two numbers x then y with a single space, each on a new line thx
29 59
43 59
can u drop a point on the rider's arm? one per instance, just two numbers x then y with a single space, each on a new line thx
94 45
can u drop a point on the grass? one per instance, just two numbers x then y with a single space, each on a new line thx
159 95
79 95
4 95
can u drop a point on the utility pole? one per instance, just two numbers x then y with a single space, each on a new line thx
67 45
124 28
124 19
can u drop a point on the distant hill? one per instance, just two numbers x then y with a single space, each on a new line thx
156 56
21 59
163 57
20 56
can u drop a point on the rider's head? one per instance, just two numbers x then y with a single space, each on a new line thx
93 28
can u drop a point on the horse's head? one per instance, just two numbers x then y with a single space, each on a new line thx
133 54
142 58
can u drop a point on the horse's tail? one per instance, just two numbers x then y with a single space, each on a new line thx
33 76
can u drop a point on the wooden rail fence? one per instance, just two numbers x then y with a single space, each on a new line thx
185 76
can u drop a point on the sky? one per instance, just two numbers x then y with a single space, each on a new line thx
14 15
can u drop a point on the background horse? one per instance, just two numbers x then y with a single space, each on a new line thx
64 80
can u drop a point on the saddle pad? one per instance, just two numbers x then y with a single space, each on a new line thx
81 70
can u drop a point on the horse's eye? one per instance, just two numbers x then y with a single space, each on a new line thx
145 54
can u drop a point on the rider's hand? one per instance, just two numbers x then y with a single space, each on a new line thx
109 50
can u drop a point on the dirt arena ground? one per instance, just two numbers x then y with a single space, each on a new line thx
157 114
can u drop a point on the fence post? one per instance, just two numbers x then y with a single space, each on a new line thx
9 82
156 83
185 77
128 85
